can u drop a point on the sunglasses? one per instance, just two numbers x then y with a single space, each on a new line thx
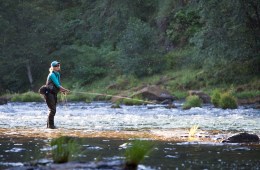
57 65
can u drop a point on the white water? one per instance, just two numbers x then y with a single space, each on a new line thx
100 116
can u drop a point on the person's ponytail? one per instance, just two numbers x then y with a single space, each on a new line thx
51 69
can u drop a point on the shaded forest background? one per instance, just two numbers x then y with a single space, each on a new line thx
97 39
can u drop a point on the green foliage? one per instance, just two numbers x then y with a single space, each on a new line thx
179 58
192 101
227 101
184 25
186 79
88 63
215 97
180 94
99 39
248 94
227 41
137 152
140 53
27 97
63 149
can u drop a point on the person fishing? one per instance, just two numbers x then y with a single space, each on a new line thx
54 87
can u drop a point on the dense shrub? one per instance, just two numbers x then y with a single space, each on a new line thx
192 101
227 101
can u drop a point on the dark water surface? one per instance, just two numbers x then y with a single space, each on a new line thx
18 152
19 149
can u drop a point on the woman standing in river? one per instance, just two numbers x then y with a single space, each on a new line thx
54 86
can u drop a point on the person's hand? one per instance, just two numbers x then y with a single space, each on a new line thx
64 91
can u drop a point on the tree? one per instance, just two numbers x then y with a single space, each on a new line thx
226 41
140 53
24 43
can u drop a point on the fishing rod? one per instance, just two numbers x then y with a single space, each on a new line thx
109 95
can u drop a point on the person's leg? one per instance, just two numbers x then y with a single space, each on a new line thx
51 101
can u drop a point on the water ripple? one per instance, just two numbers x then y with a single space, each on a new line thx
100 116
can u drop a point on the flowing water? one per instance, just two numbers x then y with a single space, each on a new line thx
105 130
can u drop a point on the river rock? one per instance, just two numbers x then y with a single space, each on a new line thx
242 138
203 96
3 100
154 93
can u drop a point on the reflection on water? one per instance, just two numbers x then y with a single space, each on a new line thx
100 116
165 155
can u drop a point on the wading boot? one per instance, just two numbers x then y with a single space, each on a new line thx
50 122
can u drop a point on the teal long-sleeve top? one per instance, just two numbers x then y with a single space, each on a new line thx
54 76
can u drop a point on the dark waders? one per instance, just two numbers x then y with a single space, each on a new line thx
51 100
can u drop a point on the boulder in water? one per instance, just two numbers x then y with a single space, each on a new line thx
242 138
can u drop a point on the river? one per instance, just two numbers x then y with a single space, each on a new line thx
24 137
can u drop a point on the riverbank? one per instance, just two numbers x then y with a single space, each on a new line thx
177 83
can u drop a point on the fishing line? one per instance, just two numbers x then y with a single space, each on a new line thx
109 95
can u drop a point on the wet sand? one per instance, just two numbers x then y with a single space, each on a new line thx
151 134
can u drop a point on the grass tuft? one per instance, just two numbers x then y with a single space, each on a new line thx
224 100
227 101
63 149
192 101
137 152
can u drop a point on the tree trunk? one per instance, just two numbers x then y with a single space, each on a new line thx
29 74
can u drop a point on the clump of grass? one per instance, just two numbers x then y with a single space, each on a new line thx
227 101
63 149
27 97
136 153
223 100
192 101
